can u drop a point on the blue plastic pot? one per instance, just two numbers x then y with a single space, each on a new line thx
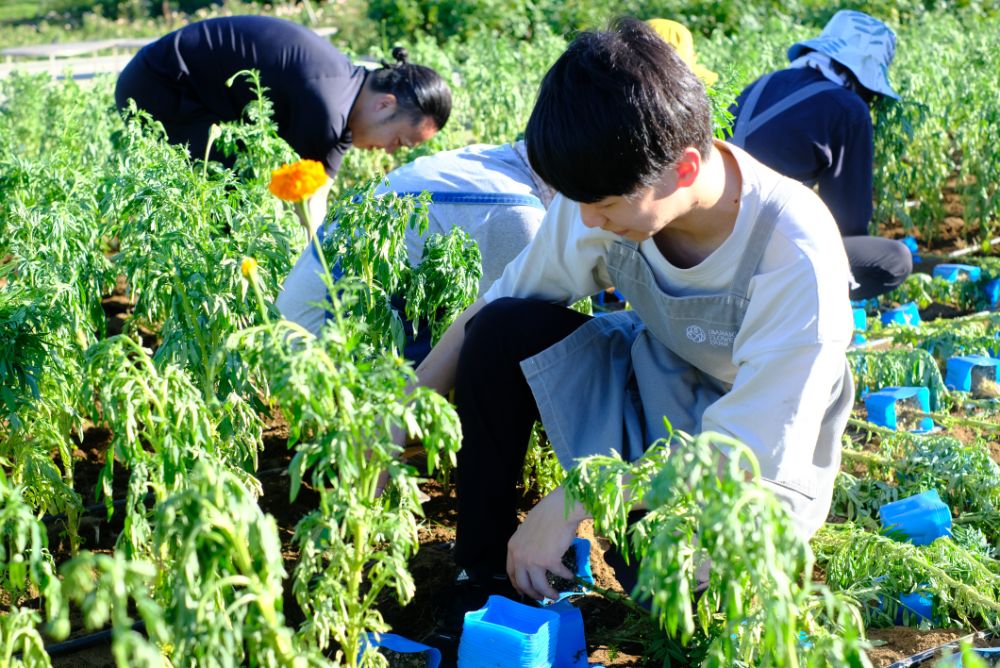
882 405
583 570
957 272
905 314
919 604
911 244
963 369
860 325
403 645
992 290
921 519
571 647
507 634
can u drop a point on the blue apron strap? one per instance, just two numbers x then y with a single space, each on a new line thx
509 199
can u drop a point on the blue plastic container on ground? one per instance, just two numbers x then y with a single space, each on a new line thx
398 643
883 407
921 519
905 314
507 634
963 371
911 244
917 603
992 290
957 272
860 325
571 647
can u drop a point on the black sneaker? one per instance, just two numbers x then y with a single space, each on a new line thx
467 593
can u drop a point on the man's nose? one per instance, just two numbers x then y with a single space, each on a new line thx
591 217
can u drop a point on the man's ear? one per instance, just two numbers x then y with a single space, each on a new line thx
688 167
385 101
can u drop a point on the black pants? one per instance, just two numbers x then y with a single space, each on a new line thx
185 119
878 264
497 410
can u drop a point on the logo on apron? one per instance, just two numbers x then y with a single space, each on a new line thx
715 337
696 334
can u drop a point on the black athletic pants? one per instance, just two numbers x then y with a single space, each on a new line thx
878 264
497 410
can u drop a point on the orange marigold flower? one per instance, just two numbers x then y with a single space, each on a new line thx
248 267
296 181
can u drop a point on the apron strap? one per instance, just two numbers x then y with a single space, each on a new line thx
509 199
742 126
760 236
747 124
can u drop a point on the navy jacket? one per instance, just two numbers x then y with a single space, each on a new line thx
311 84
825 140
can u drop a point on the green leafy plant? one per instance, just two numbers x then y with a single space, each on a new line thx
965 585
898 367
703 505
349 406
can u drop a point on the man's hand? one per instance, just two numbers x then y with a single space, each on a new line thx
538 545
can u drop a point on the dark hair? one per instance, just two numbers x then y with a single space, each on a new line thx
419 90
853 84
616 109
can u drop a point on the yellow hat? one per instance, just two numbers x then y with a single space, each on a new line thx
679 37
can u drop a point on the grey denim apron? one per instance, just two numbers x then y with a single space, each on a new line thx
609 384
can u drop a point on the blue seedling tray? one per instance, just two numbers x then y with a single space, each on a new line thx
957 272
881 406
905 314
507 634
405 646
964 369
860 325
921 519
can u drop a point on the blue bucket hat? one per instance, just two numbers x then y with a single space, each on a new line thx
859 42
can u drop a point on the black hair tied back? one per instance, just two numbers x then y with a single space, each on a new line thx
420 91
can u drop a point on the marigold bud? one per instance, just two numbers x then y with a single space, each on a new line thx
248 267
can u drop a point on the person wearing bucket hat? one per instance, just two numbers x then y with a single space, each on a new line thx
812 122
679 37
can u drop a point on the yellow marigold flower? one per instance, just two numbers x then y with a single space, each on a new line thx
248 267
296 181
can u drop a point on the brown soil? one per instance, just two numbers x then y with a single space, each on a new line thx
950 234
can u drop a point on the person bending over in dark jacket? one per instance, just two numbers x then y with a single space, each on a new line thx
323 103
812 122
